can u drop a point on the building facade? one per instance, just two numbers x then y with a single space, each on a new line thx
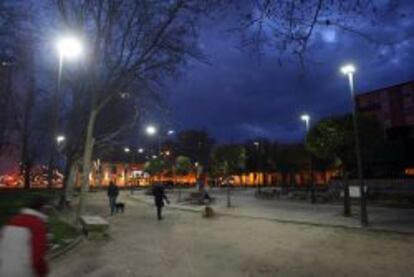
393 107
134 175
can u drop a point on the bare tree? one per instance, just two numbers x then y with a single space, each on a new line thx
9 18
287 26
132 45
18 98
115 120
6 97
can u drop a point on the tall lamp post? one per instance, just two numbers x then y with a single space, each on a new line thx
60 139
258 163
306 119
127 150
349 70
68 47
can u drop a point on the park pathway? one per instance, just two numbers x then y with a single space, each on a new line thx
184 244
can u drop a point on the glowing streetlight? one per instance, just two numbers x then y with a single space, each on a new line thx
154 156
170 132
306 118
258 165
151 130
127 150
69 47
141 150
349 70
60 139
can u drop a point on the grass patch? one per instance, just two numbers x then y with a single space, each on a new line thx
12 201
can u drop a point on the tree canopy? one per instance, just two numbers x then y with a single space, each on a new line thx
334 138
156 166
228 159
183 165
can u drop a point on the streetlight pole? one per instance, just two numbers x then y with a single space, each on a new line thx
54 122
349 70
258 164
126 150
306 118
68 47
152 131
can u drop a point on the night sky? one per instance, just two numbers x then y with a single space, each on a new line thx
237 97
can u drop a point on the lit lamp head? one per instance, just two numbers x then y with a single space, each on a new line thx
69 47
348 69
151 130
141 150
305 117
127 150
170 132
256 143
60 139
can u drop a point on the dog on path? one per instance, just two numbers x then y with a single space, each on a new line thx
119 207
208 212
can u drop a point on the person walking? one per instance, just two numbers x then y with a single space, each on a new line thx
159 197
113 192
23 242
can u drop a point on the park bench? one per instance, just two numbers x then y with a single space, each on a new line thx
298 194
269 193
322 194
197 198
94 227
401 194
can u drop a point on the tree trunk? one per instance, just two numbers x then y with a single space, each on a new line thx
284 181
87 161
228 196
6 109
26 160
25 170
71 181
179 193
66 174
99 176
312 181
347 200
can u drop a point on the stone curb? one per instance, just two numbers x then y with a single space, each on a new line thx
317 224
290 221
61 251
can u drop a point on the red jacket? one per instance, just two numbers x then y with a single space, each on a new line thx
23 245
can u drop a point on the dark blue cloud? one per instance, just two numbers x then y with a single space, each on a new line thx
236 97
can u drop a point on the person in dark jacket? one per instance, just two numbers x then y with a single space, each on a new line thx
159 197
113 192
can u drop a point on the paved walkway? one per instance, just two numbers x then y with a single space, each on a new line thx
184 244
244 204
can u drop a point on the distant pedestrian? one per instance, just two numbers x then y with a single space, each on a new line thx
23 242
113 192
159 197
200 184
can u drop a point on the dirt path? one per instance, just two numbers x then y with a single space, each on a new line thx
184 244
